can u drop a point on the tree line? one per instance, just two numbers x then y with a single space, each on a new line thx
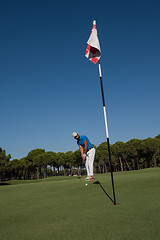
133 155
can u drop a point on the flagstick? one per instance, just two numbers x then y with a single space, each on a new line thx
105 118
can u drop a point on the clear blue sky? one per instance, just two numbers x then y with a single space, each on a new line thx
48 89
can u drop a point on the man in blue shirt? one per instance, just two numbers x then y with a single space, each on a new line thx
87 153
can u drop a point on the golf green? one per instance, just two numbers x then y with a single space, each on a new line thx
65 208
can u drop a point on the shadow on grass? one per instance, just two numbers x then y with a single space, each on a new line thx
97 182
4 184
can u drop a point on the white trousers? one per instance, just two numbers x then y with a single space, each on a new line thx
89 161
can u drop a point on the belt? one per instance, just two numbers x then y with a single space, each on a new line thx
89 149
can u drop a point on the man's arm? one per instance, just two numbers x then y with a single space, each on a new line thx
86 146
82 153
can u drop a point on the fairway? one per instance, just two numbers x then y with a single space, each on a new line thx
64 208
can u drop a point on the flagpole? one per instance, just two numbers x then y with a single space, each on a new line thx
93 53
106 126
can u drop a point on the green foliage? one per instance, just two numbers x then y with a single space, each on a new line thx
133 155
4 159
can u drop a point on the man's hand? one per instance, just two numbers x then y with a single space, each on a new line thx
84 156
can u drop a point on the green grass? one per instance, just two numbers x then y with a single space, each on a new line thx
64 208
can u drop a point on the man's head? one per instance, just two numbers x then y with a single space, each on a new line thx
75 135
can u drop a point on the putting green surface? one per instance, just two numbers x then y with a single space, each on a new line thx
64 208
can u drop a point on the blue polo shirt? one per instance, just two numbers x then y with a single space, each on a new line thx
83 138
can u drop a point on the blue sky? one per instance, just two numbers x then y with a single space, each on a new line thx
49 89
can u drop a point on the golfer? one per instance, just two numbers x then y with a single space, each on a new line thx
87 153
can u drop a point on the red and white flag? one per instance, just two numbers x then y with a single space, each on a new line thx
93 52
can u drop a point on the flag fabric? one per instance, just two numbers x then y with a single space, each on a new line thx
93 52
